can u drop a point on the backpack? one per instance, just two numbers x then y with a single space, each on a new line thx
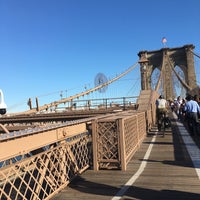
161 103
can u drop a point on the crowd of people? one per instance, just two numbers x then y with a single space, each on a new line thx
187 111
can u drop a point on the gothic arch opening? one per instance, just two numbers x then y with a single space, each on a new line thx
178 87
154 79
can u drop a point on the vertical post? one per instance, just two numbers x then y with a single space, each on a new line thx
138 136
124 103
95 145
37 104
122 146
62 164
30 103
71 105
106 100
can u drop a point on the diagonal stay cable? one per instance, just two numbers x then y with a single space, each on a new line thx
160 77
179 78
195 54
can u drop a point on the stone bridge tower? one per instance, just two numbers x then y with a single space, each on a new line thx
166 60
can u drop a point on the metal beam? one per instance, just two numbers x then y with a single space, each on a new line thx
22 145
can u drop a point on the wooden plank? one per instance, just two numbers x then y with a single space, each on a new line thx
169 174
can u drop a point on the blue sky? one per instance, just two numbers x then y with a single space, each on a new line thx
49 46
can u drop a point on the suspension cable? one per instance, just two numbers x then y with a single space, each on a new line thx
195 54
159 81
64 100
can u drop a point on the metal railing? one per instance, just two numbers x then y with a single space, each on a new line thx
47 161
123 103
37 163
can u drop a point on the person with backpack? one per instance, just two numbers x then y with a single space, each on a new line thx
161 108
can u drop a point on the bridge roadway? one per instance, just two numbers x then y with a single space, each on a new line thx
163 168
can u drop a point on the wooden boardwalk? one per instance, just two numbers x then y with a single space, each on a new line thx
160 169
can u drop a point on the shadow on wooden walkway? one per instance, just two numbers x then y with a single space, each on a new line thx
161 169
